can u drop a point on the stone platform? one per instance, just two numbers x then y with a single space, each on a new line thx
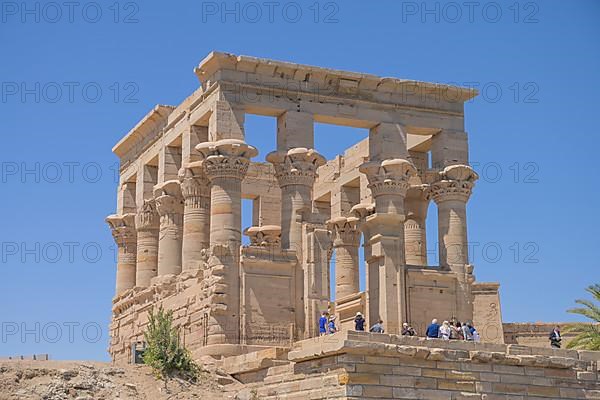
358 365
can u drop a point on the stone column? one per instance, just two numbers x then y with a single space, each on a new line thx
362 211
195 188
416 204
123 231
451 194
225 164
169 204
388 181
296 171
147 223
346 239
317 253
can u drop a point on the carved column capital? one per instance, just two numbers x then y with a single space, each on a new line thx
123 229
195 186
456 183
264 236
227 158
388 177
345 231
362 211
297 166
422 192
168 198
147 218
417 200
169 204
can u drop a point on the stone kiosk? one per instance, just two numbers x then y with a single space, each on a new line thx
183 174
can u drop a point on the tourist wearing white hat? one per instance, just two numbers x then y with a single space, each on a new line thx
445 330
332 327
359 322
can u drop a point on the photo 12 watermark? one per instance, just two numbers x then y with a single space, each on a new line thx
50 332
58 172
270 12
454 12
55 252
70 12
526 172
68 92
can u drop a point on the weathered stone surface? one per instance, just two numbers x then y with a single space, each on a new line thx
179 234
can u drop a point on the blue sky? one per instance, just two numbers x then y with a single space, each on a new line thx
74 81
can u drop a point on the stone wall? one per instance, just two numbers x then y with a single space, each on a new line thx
353 365
266 292
487 314
534 334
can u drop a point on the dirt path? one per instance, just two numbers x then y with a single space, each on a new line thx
81 380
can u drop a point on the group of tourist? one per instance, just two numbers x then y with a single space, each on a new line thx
452 330
327 324
448 330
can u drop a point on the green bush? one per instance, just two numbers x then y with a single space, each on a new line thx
164 352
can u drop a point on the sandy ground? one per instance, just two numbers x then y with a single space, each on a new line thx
81 380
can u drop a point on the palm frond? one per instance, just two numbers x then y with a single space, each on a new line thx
587 335
594 290
590 311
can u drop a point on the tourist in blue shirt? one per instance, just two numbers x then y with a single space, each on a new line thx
433 330
323 321
378 327
332 327
359 322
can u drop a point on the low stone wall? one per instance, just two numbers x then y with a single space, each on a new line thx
357 365
32 357
535 334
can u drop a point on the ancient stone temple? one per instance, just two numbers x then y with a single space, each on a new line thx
184 171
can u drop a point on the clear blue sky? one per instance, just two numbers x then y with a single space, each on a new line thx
536 124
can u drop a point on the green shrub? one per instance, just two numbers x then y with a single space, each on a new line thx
164 352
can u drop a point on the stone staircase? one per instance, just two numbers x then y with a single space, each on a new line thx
269 375
360 365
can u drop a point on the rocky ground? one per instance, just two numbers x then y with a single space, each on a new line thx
77 380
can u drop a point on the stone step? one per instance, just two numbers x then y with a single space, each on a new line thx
281 368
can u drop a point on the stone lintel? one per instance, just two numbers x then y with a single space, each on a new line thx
347 82
150 123
485 287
